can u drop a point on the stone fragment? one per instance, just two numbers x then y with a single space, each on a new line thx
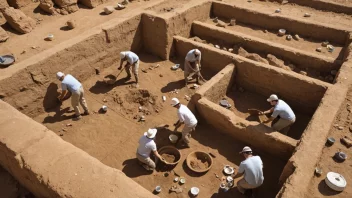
296 37
92 3
318 49
306 15
325 43
215 20
2 19
257 58
233 22
292 66
47 6
275 61
304 73
224 48
18 3
109 9
217 46
242 52
67 6
3 35
19 21
221 24
230 50
265 31
71 24
340 128
288 37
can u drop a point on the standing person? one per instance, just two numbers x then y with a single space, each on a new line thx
146 146
192 65
184 116
252 169
132 60
282 114
69 83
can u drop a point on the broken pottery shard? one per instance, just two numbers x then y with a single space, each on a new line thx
92 3
3 35
275 61
19 21
18 3
109 9
47 6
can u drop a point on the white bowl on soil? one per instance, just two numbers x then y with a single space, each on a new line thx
50 37
173 138
158 189
194 191
282 32
335 181
228 170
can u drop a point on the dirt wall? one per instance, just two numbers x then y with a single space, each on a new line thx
301 92
51 167
303 165
30 86
257 45
275 22
324 5
258 136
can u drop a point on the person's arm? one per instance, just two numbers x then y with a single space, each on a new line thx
121 62
180 121
63 92
240 172
158 156
273 115
267 111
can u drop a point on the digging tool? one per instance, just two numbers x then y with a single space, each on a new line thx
194 71
255 112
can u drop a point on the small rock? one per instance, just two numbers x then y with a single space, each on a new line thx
34 47
221 24
156 110
71 24
224 48
61 134
318 49
307 15
278 10
230 50
233 22
104 100
143 70
215 20
265 31
292 66
340 128
120 7
23 52
217 46
325 43
333 72
160 75
69 124
288 37
296 37
109 9
304 73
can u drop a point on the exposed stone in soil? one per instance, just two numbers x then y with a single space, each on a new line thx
275 61
168 157
18 20
3 35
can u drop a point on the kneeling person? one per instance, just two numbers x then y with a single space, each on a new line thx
146 146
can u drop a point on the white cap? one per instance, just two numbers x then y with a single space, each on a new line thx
151 133
196 51
59 75
122 55
272 97
246 149
174 102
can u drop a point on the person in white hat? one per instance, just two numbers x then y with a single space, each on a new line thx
132 60
184 116
192 65
69 83
146 146
252 169
281 114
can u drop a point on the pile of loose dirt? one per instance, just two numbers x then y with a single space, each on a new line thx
168 157
198 164
141 96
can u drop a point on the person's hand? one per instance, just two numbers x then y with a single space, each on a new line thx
261 112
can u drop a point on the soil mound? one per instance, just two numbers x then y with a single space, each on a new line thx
198 164
141 96
169 158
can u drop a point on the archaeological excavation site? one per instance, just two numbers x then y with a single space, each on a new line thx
299 50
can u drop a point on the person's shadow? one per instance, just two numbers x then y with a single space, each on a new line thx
102 87
132 169
59 115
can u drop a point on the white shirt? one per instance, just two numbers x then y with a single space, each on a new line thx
283 110
190 57
131 57
252 168
185 115
70 83
146 146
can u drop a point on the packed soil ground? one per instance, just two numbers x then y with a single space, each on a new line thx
113 137
342 128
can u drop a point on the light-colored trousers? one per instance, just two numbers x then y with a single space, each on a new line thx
243 185
146 160
283 125
78 98
186 133
191 70
134 67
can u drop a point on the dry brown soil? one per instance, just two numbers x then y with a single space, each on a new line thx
113 137
198 164
168 158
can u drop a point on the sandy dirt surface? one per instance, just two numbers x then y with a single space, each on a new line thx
113 137
27 45
304 44
327 163
297 11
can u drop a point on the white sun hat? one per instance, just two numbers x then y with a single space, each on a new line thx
246 149
272 97
174 102
151 133
59 75
122 55
196 51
